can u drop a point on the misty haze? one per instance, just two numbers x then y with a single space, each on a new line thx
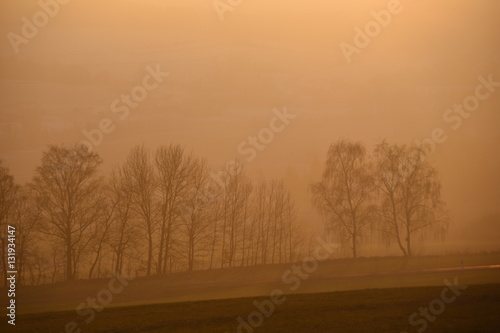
249 166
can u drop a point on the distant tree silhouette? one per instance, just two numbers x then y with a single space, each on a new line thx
410 194
345 191
67 191
198 212
235 212
8 194
124 232
175 170
142 182
25 217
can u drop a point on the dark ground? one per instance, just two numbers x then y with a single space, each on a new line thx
477 309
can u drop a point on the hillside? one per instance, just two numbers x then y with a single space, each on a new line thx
374 310
333 275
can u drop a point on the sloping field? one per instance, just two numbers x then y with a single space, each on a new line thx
332 275
474 309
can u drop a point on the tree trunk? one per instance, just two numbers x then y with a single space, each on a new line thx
69 261
408 244
150 254
214 242
160 252
354 248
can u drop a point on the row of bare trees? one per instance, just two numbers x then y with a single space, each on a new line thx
394 192
160 211
15 205
163 211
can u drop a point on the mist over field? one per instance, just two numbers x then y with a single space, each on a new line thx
258 106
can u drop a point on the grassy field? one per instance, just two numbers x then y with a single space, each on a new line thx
362 295
371 310
333 275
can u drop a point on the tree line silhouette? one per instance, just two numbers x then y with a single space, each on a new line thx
163 211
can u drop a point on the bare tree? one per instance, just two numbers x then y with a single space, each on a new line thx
26 214
65 185
345 191
276 216
139 171
410 192
261 218
124 232
101 228
213 195
198 214
236 194
274 223
290 238
174 169
8 194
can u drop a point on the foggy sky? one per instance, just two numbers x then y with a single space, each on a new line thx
227 77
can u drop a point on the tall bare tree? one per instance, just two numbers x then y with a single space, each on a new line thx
198 214
236 194
410 191
8 194
274 224
25 217
174 171
101 228
65 185
213 195
345 191
124 231
139 171
261 217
